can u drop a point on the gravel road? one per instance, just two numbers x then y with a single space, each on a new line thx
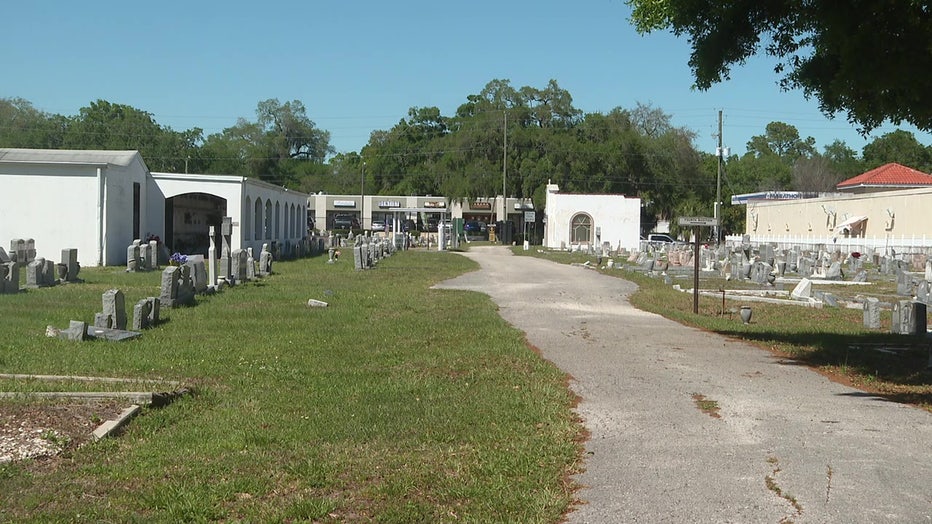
789 446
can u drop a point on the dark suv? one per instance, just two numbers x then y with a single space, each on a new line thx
345 222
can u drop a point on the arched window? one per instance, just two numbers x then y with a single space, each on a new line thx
257 220
278 220
581 229
247 218
268 219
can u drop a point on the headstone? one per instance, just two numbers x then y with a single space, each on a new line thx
872 313
909 318
141 313
212 259
834 272
145 257
169 289
154 255
928 274
805 267
132 257
250 265
238 265
727 271
77 330
861 276
154 310
226 236
357 257
69 259
904 284
803 290
113 315
199 275
39 274
30 250
18 250
9 278
922 291
265 261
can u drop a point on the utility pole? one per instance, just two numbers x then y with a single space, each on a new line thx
362 193
718 183
505 169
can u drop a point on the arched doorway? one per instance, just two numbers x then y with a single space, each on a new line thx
581 229
188 218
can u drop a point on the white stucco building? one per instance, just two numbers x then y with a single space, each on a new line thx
583 220
100 201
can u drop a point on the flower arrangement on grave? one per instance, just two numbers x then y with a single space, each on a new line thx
177 259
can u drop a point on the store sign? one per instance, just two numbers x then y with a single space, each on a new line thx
344 203
523 205
480 205
435 204
389 203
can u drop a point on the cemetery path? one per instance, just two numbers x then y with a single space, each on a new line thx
787 444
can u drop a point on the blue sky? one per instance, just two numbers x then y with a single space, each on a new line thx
358 66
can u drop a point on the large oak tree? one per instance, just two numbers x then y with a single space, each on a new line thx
867 58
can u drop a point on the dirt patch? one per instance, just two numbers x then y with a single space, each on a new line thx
30 428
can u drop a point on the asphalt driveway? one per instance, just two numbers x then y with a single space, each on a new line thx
789 446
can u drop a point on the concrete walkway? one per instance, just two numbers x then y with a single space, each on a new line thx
790 445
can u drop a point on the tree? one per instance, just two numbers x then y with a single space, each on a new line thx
900 147
22 125
104 125
280 147
783 141
863 57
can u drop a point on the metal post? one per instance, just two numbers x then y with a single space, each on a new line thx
696 271
718 181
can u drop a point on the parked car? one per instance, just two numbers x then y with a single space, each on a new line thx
476 229
378 225
432 225
409 226
345 222
660 238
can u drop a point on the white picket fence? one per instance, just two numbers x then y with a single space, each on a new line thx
880 245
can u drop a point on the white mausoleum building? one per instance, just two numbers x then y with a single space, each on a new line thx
100 201
578 221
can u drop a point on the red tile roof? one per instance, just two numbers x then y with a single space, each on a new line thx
889 175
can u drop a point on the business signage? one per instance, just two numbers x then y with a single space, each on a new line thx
434 203
389 203
698 221
344 203
523 205
481 205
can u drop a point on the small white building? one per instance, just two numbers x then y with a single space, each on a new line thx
100 201
582 220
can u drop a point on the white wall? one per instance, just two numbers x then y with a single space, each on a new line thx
891 214
54 205
617 217
118 213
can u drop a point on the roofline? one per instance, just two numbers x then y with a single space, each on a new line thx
57 162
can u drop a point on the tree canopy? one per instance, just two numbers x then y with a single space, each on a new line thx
520 138
866 58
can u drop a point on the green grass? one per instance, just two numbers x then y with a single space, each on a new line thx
832 341
397 403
